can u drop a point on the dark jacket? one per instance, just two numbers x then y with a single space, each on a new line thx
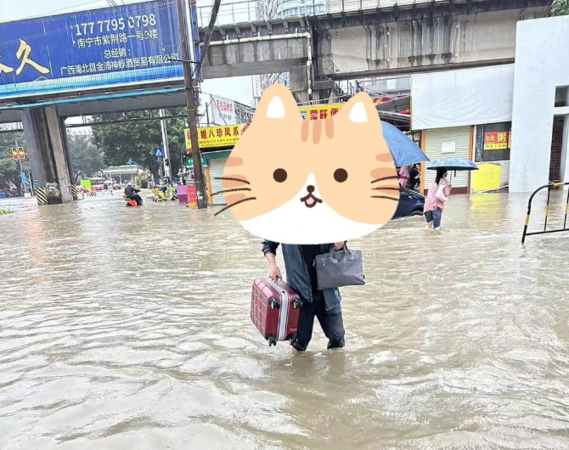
297 274
130 192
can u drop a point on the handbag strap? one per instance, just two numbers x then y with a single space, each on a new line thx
345 249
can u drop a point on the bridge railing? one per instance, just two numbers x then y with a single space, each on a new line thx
230 13
251 10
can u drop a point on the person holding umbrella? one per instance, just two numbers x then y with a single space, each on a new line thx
436 198
440 189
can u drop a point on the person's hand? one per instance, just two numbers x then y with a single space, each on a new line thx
274 273
338 245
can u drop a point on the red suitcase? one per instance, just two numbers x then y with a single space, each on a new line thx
275 309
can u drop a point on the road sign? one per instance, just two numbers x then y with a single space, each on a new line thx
159 152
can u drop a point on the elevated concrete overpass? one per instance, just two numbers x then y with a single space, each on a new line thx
356 38
360 38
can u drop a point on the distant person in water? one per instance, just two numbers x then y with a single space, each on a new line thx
415 173
438 195
132 193
404 176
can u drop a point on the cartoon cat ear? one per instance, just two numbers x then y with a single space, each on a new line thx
361 109
278 102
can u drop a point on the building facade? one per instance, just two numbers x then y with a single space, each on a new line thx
517 115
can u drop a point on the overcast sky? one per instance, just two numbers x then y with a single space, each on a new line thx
239 89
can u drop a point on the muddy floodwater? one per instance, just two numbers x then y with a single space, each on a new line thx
127 328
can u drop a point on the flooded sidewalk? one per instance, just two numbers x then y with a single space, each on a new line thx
127 328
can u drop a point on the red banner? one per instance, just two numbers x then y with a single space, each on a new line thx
192 197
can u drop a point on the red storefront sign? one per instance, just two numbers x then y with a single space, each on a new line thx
497 140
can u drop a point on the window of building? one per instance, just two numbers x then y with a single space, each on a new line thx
320 9
493 142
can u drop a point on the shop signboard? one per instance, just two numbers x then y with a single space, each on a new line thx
497 140
318 112
211 137
223 111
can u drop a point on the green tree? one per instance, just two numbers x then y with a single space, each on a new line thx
85 156
135 138
10 169
560 8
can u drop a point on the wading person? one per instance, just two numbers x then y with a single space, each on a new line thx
132 193
404 177
301 276
414 175
436 199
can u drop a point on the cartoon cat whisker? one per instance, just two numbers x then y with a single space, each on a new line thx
230 190
234 204
393 177
385 197
387 189
231 179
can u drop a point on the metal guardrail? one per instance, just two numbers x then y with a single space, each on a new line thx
230 13
545 230
252 10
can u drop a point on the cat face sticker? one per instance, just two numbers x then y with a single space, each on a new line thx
295 181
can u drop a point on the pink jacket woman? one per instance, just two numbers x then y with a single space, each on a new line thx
405 175
436 198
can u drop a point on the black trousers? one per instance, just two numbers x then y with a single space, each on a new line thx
137 198
331 322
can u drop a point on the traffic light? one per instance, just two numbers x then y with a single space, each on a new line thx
22 153
166 162
14 154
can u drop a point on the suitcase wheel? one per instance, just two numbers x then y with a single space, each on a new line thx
272 341
274 302
297 303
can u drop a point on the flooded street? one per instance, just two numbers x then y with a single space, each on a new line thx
129 328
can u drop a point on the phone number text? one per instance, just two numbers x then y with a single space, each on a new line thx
102 26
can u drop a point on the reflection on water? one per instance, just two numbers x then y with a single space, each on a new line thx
124 329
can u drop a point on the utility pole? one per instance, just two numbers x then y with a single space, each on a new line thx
167 161
191 104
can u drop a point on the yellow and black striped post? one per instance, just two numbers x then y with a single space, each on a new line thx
74 192
545 230
41 196
547 208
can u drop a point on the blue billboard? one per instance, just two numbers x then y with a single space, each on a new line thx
103 47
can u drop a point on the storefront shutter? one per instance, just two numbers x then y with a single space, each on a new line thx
216 167
439 139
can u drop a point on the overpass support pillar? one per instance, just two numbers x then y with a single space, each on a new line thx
45 139
299 84
306 89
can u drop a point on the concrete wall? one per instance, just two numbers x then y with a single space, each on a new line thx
405 45
541 66
255 56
